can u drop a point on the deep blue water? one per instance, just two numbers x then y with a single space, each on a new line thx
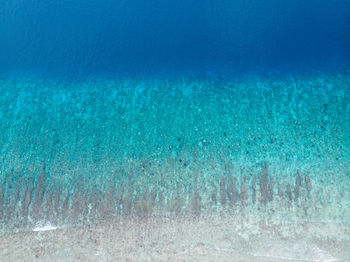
71 38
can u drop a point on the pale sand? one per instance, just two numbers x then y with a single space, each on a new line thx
214 238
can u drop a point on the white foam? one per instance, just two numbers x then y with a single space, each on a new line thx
39 226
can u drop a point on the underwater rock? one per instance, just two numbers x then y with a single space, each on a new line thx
161 199
128 202
17 190
308 183
254 191
297 186
244 194
108 205
280 192
264 184
1 202
65 207
289 193
195 204
39 195
222 192
40 189
232 192
214 196
57 200
49 208
95 202
27 200
270 189
119 199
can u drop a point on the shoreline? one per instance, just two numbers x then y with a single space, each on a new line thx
215 237
175 170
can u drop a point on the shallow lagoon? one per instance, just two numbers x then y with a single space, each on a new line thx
166 130
264 157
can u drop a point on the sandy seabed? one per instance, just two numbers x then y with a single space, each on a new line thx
212 238
275 152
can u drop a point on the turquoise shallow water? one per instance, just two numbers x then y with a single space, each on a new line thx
164 130
73 153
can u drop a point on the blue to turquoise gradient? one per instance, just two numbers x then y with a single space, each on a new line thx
132 108
74 38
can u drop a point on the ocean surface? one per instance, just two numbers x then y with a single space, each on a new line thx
79 39
116 110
